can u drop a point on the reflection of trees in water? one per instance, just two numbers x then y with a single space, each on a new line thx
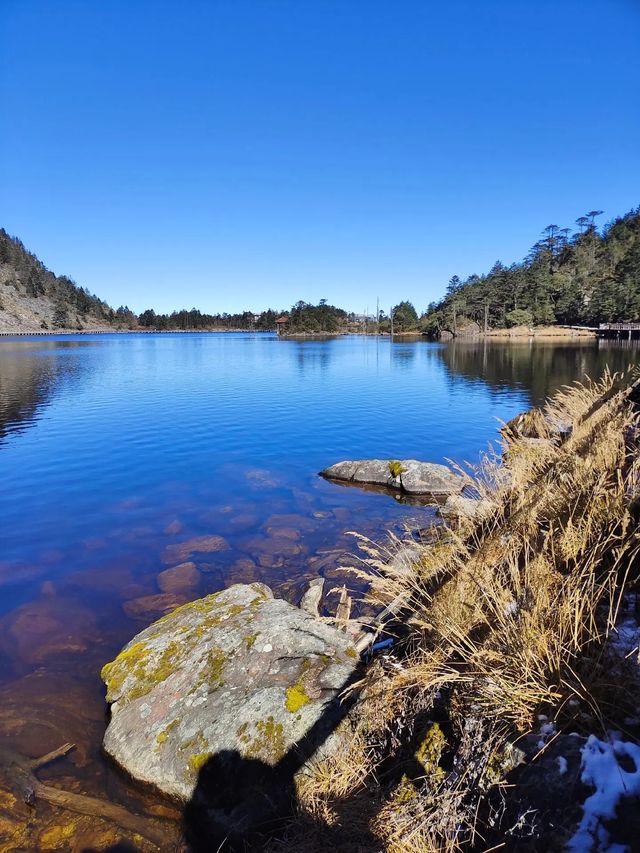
537 367
313 354
403 355
29 374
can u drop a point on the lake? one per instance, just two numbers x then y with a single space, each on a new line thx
114 447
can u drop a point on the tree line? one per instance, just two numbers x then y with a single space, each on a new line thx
194 320
580 277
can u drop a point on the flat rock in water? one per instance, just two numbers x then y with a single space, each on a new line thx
181 551
236 671
418 478
179 579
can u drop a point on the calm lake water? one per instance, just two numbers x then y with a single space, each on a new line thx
114 447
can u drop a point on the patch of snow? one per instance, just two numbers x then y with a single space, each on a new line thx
511 608
602 770
546 732
562 764
624 640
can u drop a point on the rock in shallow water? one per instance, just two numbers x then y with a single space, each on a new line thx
418 478
181 551
179 579
236 671
149 606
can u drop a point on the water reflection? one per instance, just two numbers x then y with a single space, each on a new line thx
30 371
539 367
403 354
311 354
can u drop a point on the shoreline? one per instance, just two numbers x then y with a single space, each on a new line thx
518 333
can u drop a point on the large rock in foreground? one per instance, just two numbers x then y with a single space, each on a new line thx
236 672
417 478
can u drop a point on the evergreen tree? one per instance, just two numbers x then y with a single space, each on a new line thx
405 317
586 278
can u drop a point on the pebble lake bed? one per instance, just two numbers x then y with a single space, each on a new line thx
140 473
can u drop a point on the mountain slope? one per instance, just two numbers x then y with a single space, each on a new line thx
33 299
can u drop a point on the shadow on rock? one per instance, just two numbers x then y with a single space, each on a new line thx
241 803
238 803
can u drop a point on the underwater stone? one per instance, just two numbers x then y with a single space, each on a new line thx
179 579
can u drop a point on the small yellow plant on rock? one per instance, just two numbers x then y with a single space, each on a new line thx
396 469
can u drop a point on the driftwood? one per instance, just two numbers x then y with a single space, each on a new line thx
21 773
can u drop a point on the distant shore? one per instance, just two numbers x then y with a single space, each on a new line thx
58 332
543 332
517 333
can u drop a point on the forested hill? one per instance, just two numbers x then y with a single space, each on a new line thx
584 278
32 298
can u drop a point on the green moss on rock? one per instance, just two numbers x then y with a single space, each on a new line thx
197 761
269 741
163 735
296 698
430 751
129 662
216 658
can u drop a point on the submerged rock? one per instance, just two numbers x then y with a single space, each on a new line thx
181 551
417 478
149 606
47 628
179 579
235 672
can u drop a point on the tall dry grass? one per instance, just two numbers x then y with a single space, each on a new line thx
506 618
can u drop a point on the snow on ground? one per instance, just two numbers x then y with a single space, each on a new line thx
611 766
624 640
601 768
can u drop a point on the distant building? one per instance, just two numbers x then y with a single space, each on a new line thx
282 323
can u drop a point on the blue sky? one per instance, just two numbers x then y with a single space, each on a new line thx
233 154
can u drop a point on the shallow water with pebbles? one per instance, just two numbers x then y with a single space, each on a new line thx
140 472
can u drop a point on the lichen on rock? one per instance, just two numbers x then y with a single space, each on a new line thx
235 671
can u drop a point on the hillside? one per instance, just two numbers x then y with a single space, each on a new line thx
33 299
586 278
578 279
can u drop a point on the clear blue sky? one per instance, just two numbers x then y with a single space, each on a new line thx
232 154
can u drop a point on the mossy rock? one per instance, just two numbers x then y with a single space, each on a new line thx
236 671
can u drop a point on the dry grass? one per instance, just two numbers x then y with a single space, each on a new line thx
507 618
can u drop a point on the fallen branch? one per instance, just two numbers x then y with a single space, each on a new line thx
21 772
